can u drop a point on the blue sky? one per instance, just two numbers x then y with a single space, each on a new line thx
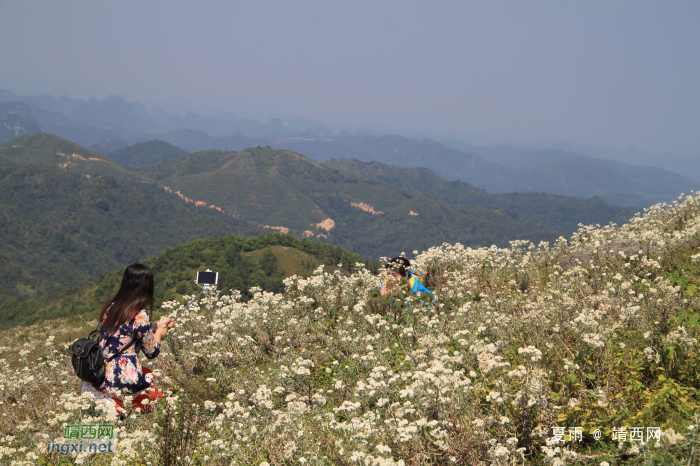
613 73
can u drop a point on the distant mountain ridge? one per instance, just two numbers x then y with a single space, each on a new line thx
559 213
290 193
553 211
147 153
89 121
548 171
579 176
50 150
500 169
287 191
689 165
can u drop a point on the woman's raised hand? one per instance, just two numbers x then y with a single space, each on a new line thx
167 321
162 327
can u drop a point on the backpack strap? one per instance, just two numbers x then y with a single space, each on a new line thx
127 346
99 337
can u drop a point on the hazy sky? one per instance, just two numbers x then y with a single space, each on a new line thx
597 72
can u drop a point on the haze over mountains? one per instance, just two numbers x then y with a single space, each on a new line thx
113 123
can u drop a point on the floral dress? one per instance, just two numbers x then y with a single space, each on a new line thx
124 373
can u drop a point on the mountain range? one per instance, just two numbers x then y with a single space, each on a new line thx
69 213
286 191
114 123
506 170
559 213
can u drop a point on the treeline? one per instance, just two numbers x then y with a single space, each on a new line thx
175 270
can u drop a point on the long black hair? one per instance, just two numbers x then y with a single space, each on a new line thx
135 294
400 265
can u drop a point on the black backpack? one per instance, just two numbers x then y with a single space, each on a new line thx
88 360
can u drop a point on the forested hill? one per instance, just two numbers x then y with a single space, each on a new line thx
49 150
573 175
556 212
58 231
291 193
563 213
259 261
553 172
69 213
146 153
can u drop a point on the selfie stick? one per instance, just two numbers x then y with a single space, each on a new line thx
205 288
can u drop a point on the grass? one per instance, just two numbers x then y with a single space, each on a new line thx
293 261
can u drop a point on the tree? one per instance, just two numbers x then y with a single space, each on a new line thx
269 262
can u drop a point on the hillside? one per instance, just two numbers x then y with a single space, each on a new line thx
69 210
105 146
589 336
291 193
573 175
143 154
59 231
262 261
499 170
50 150
560 213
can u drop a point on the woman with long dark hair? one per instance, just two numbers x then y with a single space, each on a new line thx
397 269
126 318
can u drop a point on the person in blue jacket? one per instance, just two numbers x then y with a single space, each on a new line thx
398 268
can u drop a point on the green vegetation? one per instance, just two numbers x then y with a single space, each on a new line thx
258 261
105 146
146 153
527 358
560 213
58 231
284 189
70 213
568 174
47 149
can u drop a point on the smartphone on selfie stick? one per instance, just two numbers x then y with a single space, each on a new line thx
204 281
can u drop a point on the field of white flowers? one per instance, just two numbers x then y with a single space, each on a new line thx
600 332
